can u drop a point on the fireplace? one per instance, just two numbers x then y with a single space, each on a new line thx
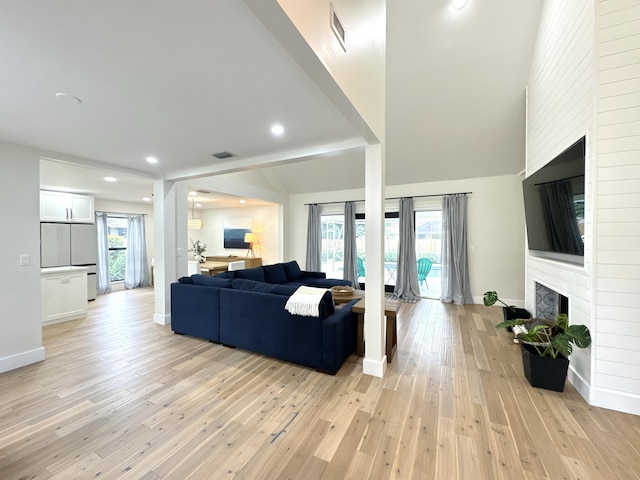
549 303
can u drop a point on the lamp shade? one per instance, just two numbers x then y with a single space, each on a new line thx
194 223
249 237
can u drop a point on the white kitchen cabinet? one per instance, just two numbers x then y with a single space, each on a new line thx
64 294
66 207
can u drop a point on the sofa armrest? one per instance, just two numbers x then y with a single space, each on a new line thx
314 274
195 311
339 332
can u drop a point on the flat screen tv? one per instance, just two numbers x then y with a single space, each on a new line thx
554 206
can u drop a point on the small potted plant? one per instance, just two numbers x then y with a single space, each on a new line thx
198 249
510 312
546 348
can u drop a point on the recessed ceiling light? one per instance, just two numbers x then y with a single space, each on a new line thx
193 193
111 179
198 204
243 201
152 160
146 199
459 4
277 130
68 97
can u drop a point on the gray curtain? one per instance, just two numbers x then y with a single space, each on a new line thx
314 239
407 287
103 279
455 273
350 269
560 213
137 268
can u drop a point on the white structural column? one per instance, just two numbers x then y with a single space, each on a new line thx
181 230
164 210
375 360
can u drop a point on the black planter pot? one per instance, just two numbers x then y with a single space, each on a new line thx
514 313
544 372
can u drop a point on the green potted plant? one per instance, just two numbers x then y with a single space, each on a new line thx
510 312
546 348
198 249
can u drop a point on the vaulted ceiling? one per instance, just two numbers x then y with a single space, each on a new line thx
184 80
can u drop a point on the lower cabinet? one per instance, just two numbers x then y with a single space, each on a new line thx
64 294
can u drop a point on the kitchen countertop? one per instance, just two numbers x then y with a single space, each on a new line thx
59 270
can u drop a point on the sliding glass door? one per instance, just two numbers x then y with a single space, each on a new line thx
428 226
428 242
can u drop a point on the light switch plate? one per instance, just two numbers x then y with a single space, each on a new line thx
24 260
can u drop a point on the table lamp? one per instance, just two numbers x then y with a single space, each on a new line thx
250 238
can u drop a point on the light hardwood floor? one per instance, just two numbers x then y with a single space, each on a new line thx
119 397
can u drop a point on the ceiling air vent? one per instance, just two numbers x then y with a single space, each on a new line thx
338 29
223 155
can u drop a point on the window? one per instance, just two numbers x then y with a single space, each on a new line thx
117 237
332 253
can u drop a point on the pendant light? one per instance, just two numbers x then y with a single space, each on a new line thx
194 223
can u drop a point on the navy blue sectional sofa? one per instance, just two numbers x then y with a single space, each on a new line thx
246 309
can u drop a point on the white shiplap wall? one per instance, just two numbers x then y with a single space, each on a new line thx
585 79
617 206
560 111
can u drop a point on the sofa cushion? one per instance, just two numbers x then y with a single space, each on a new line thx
256 274
324 282
274 273
287 290
185 280
292 270
252 285
207 281
229 275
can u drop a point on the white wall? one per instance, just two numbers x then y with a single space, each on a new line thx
560 111
616 375
265 223
495 220
20 315
584 80
360 71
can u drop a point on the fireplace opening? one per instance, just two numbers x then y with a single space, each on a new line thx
550 303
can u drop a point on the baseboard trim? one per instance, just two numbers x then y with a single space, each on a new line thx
162 319
22 359
374 367
604 398
614 400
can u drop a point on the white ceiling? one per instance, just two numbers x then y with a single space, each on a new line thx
184 80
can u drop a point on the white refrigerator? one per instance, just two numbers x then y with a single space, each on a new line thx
67 244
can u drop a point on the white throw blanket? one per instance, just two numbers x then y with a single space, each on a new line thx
305 301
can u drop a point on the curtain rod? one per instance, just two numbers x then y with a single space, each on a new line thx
120 213
556 181
394 198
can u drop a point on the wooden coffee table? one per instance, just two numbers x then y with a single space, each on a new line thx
391 308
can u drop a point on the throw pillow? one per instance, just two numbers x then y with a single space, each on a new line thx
256 274
292 270
274 273
251 285
207 281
